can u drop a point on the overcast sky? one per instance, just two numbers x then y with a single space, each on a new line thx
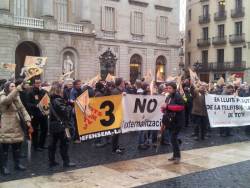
182 14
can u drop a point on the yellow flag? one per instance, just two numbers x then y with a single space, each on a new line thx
171 78
47 88
67 74
221 81
149 77
237 82
94 80
110 78
31 61
8 66
83 102
194 77
43 105
32 71
232 78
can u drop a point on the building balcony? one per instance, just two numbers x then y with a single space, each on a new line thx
203 42
237 38
28 22
221 66
46 24
228 66
219 40
238 66
220 16
238 12
206 67
204 19
70 27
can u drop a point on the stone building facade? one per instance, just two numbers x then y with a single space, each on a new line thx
138 35
217 37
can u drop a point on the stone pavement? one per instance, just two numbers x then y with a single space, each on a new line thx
141 171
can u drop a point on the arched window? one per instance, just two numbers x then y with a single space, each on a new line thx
160 69
61 10
21 8
135 67
107 63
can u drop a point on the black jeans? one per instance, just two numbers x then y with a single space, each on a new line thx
16 148
174 141
40 126
115 142
201 123
54 138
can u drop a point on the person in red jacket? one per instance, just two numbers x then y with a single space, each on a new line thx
173 118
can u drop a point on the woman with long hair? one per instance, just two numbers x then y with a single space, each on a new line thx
59 120
11 133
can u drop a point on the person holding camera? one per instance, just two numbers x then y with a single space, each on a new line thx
13 114
59 120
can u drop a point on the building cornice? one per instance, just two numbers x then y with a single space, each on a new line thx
138 3
164 8
138 43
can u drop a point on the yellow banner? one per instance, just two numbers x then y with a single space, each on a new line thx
104 119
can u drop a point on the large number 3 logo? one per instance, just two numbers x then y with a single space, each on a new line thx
108 113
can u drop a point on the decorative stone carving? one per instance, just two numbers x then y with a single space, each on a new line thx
68 62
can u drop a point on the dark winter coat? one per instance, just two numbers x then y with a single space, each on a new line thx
34 97
175 104
63 111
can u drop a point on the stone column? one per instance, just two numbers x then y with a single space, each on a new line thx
85 11
48 8
5 5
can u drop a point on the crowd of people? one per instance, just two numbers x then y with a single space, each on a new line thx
21 116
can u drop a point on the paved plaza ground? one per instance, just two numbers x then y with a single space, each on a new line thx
215 162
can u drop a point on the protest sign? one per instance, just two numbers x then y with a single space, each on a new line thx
35 61
83 102
43 105
32 71
104 119
228 110
142 112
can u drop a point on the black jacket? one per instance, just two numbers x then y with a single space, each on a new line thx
63 113
34 97
176 105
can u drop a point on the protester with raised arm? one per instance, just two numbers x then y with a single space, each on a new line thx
11 134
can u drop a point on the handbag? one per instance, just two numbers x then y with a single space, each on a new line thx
59 125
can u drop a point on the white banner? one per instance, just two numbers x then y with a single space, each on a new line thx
228 110
142 112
